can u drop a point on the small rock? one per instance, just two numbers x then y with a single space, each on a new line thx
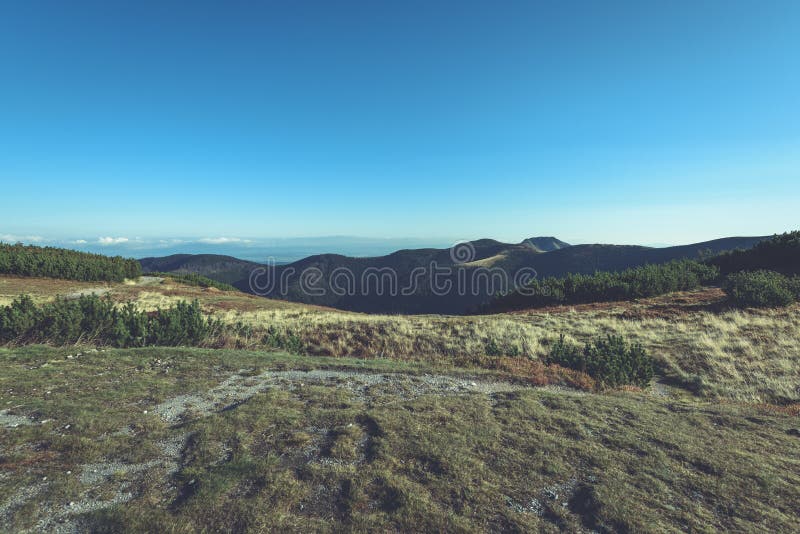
145 412
473 384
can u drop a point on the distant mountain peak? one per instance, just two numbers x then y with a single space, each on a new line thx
545 244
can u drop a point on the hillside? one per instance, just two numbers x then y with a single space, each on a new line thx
65 264
225 269
781 254
304 418
474 272
547 244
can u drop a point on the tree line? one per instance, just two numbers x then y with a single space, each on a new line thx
780 253
605 286
53 262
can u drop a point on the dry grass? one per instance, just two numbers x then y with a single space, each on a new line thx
745 355
41 289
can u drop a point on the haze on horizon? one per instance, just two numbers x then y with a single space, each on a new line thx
617 122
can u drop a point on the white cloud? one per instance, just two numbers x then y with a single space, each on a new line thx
112 240
11 238
80 241
223 240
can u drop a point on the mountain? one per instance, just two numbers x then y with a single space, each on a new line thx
546 244
429 280
215 266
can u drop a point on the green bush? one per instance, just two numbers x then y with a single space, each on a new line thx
94 320
287 341
52 262
761 288
611 361
18 318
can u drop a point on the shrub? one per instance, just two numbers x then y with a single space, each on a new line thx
18 318
92 319
611 361
761 289
287 341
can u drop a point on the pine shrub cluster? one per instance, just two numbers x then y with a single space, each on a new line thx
611 360
762 288
92 319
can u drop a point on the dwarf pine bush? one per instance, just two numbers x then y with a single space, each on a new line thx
762 289
97 320
611 361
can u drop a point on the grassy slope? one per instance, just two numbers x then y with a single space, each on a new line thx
705 455
700 345
321 456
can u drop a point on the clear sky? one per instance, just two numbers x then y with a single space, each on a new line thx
626 122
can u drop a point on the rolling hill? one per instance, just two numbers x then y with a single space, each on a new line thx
429 280
215 266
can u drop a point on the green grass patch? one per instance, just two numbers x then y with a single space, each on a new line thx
325 457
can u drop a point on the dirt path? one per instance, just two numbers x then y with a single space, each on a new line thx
240 387
142 281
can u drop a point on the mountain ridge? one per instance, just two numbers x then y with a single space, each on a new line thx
482 257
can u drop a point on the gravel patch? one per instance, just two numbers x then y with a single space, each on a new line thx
13 421
241 387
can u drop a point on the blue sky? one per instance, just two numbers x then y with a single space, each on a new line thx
626 122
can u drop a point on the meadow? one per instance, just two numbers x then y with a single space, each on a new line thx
299 418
